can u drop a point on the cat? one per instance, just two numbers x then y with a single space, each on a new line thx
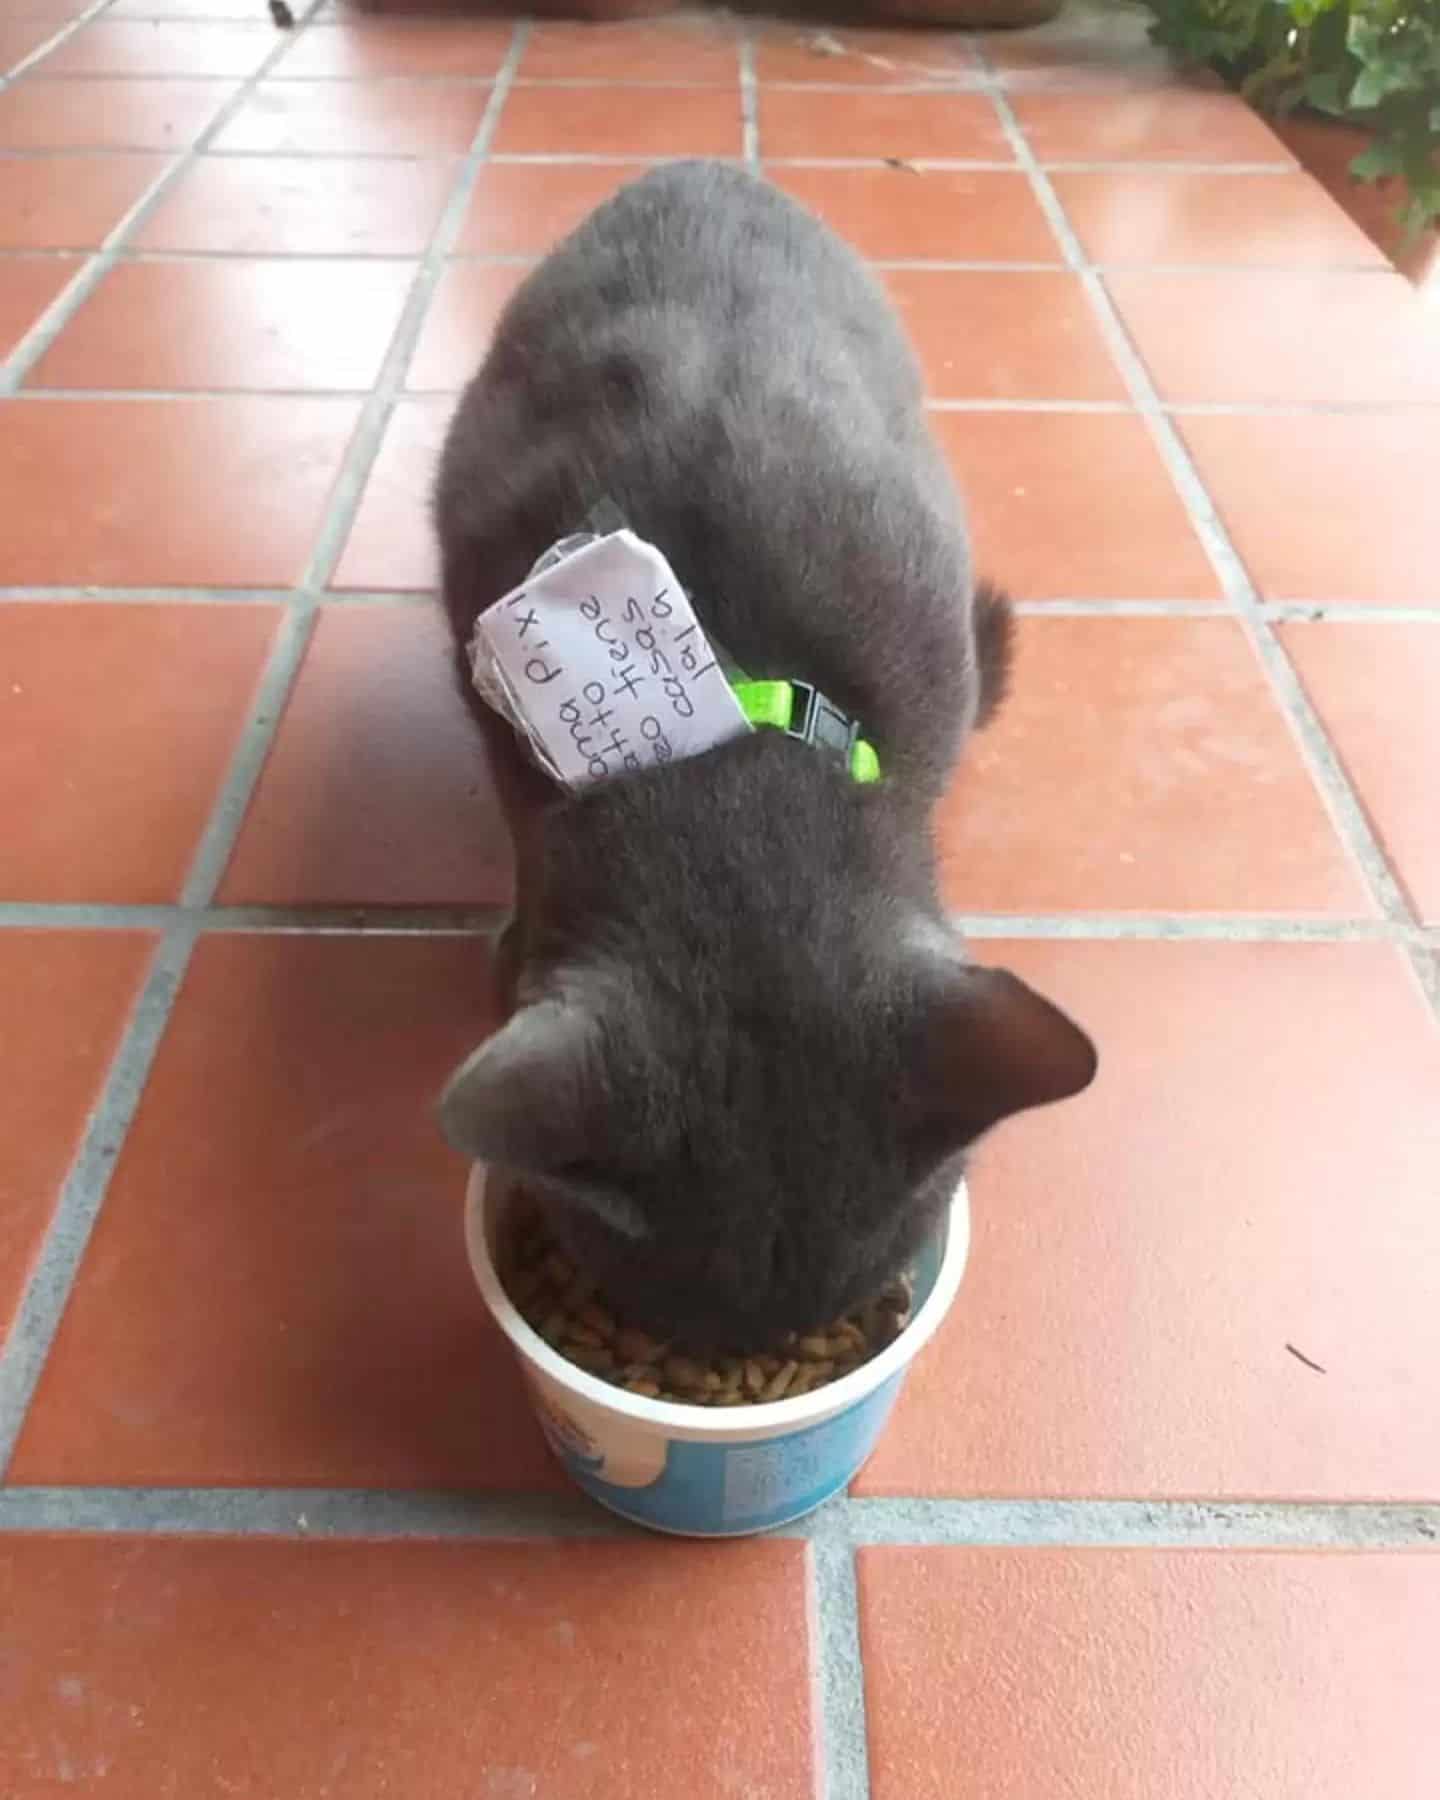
746 1053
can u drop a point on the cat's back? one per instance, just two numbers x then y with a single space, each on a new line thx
709 358
703 273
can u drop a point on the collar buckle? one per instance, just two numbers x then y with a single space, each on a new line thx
818 721
802 712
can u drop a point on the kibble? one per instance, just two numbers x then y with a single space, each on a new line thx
563 1306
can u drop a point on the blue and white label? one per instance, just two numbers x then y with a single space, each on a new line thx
715 1489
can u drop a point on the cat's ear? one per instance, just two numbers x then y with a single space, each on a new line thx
990 1047
526 1098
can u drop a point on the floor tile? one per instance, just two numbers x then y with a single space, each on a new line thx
377 789
74 990
1140 765
877 126
1143 1255
108 113
69 202
401 47
1074 506
289 325
268 206
1131 1673
169 471
162 693
391 545
492 1671
521 209
176 47
468 301
358 118
1155 125
940 215
1258 221
27 286
1327 506
22 37
1374 687
315 1320
992 336
862 56
692 48
1251 338
58 12
591 122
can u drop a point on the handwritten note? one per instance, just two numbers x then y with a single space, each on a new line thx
599 660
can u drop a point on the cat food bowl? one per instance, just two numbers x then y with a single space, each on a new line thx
698 1471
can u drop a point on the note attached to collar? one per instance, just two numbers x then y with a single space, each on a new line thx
599 662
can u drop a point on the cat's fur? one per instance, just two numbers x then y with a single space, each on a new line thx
747 1053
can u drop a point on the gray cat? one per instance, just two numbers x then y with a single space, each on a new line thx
746 1054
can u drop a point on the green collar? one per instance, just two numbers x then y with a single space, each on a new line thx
794 707
802 712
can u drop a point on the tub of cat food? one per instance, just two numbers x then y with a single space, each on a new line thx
716 1449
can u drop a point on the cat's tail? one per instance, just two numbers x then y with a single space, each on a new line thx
994 647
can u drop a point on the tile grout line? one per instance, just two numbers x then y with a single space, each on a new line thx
749 98
200 596
361 918
222 828
972 84
1073 166
971 404
940 165
1053 606
1342 802
53 42
37 1315
37 1318
1129 1524
357 919
930 264
1346 612
98 263
924 165
839 1706
1201 928
837 1528
356 153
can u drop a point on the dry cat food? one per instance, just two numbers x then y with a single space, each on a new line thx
563 1306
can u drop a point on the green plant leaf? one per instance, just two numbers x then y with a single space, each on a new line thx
1382 158
1374 61
1326 89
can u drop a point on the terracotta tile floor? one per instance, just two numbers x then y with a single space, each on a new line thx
1158 1512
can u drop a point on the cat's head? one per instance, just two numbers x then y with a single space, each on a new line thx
748 1057
732 1163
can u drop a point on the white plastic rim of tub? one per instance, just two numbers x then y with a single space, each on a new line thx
717 1424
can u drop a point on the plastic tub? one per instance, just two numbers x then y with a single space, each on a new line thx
704 1473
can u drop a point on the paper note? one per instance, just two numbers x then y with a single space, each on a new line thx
600 661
